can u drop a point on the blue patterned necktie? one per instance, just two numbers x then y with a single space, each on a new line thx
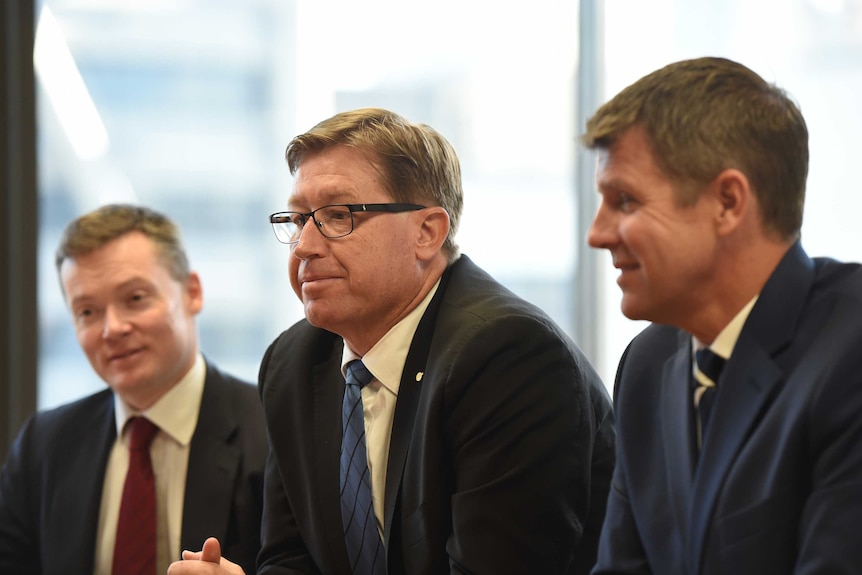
364 547
709 366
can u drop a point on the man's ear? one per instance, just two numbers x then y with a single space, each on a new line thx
433 229
734 198
194 293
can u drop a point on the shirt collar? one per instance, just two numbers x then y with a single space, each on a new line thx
176 412
386 359
725 341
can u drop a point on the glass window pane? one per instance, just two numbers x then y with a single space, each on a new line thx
811 48
187 105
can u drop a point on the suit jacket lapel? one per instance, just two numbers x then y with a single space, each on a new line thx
750 379
328 392
76 503
213 465
747 384
677 430
408 398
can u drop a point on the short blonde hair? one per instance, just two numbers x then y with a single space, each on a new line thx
418 165
95 229
706 115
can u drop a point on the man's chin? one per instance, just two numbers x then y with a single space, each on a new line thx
318 314
633 310
124 383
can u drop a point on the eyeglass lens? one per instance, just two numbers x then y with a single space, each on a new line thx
332 221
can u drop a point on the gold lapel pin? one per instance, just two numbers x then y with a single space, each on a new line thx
419 375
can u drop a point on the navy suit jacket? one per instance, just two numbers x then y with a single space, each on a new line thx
501 448
51 483
777 487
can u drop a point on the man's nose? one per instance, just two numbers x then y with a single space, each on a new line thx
115 323
310 241
602 232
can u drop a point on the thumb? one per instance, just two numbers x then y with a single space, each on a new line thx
211 550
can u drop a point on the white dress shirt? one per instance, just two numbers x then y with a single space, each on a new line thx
385 361
176 415
725 341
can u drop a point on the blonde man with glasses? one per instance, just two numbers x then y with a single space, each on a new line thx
485 435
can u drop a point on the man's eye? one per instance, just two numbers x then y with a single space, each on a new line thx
85 315
137 297
625 202
338 215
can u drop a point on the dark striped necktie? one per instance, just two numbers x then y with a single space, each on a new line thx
707 371
364 547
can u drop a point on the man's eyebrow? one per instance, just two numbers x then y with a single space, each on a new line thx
614 184
80 300
335 196
132 282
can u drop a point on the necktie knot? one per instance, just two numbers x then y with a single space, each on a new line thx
357 374
141 433
709 364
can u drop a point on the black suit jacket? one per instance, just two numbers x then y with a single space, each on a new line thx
51 483
501 448
777 487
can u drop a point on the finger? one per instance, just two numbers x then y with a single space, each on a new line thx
191 555
211 551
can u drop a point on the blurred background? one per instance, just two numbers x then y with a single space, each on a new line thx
187 106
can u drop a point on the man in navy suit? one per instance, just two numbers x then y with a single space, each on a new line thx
134 300
754 467
489 437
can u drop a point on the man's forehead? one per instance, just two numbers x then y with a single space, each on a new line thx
322 195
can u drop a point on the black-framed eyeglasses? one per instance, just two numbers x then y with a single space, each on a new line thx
335 221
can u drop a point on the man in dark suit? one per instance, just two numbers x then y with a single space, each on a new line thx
488 435
134 301
755 468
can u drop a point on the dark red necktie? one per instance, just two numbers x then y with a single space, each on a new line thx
135 550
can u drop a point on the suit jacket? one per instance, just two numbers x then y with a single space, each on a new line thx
777 487
501 447
51 483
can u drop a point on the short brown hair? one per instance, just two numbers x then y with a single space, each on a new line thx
418 165
95 229
706 115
